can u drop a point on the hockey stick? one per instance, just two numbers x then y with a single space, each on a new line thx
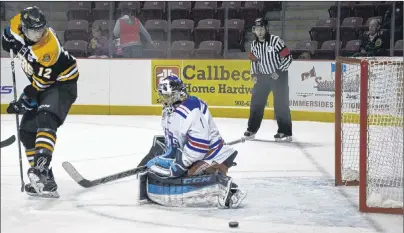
76 176
8 141
17 119
91 183
242 140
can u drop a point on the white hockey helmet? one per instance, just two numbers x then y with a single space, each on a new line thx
171 90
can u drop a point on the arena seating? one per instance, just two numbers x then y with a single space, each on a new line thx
197 28
355 18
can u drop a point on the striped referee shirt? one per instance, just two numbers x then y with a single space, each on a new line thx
269 56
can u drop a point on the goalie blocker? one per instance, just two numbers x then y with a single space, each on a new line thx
202 186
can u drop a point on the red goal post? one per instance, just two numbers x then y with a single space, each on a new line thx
369 96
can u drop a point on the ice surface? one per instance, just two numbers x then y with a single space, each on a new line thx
290 186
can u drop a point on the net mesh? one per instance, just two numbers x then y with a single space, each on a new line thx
384 129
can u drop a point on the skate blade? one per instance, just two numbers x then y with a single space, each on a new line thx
45 194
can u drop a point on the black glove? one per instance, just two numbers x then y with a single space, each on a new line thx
23 105
9 42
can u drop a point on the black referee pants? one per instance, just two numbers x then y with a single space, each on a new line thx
261 90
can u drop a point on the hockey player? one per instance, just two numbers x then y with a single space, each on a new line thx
45 102
196 159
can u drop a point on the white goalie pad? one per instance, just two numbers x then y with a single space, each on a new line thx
196 191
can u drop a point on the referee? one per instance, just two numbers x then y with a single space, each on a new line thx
270 60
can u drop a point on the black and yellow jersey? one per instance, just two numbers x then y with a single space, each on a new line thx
46 62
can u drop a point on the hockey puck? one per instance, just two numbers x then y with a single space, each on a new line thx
233 224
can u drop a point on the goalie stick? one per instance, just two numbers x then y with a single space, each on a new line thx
76 176
8 141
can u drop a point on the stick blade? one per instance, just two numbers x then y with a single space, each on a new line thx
76 176
8 141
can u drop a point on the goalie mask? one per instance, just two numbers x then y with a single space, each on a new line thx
171 90
33 23
260 28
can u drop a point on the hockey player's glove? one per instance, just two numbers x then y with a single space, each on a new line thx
160 161
9 42
23 105
165 167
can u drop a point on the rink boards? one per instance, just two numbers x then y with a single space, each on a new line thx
128 86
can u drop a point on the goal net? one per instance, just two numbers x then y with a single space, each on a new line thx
369 130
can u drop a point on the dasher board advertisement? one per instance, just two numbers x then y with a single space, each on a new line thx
224 83
312 86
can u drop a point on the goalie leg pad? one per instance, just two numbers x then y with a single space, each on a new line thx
142 195
190 191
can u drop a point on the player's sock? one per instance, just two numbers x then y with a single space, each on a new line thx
30 153
45 141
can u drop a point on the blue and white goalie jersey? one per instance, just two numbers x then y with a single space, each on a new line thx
191 128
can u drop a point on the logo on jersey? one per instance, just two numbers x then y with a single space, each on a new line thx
46 58
164 71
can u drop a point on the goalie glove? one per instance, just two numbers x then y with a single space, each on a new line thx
166 167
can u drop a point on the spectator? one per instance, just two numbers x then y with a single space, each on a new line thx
129 28
372 41
98 46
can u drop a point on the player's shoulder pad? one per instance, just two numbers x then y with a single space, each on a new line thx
188 106
15 27
48 49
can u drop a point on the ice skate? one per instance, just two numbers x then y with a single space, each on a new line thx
42 183
281 137
249 135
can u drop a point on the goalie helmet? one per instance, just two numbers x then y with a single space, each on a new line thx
33 23
171 90
260 28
